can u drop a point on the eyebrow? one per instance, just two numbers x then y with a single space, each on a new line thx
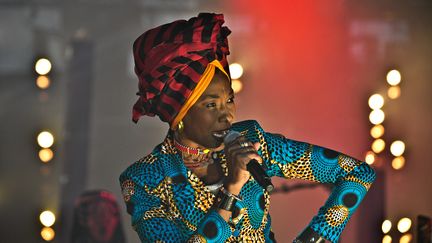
214 96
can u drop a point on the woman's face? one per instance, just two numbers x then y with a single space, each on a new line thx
208 120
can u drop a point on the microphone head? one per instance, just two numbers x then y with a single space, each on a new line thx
231 136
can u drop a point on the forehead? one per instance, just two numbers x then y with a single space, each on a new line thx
219 84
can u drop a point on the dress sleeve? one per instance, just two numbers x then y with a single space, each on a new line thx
351 178
155 216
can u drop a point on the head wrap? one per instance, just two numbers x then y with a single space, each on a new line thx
170 61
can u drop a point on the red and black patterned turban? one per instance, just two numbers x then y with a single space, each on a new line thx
170 60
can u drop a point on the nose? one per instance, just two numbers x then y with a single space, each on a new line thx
227 113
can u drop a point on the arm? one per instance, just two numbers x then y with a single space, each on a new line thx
352 178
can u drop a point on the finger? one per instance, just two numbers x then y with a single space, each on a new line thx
257 146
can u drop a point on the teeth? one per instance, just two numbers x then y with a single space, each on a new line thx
220 134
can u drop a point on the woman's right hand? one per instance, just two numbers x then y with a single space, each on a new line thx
238 154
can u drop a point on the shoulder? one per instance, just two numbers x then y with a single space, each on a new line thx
145 171
251 129
246 125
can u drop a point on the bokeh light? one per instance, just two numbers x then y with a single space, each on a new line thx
43 66
404 225
393 77
370 157
386 226
377 131
387 239
236 85
45 139
47 234
47 218
43 82
236 70
376 101
406 238
376 116
378 145
398 163
397 148
46 155
394 92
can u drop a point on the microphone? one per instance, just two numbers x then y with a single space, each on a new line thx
254 168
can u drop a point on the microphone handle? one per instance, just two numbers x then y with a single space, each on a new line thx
260 175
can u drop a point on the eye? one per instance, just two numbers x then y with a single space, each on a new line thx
211 105
231 99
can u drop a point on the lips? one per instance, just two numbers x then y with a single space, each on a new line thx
220 134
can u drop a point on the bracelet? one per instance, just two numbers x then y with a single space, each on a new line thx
309 235
226 200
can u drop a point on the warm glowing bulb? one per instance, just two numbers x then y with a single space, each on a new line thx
43 82
377 131
376 116
45 155
376 101
387 239
378 145
236 85
236 70
406 238
404 225
45 139
398 163
394 92
386 226
370 157
43 66
47 234
47 218
393 77
397 148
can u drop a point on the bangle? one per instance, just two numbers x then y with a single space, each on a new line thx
226 200
226 192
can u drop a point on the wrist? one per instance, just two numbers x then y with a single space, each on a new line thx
309 235
226 200
233 188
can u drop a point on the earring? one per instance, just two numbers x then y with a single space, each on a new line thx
180 126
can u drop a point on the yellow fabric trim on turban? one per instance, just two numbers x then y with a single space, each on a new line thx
202 85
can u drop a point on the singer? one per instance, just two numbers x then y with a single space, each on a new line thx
194 187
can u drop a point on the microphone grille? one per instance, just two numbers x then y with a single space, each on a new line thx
231 136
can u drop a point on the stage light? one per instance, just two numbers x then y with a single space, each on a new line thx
376 116
43 82
378 145
387 239
43 66
47 218
397 148
398 163
47 234
236 85
377 131
236 70
46 155
394 92
393 77
404 225
45 139
406 238
370 157
376 101
386 226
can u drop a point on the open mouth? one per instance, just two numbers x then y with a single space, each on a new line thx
220 134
